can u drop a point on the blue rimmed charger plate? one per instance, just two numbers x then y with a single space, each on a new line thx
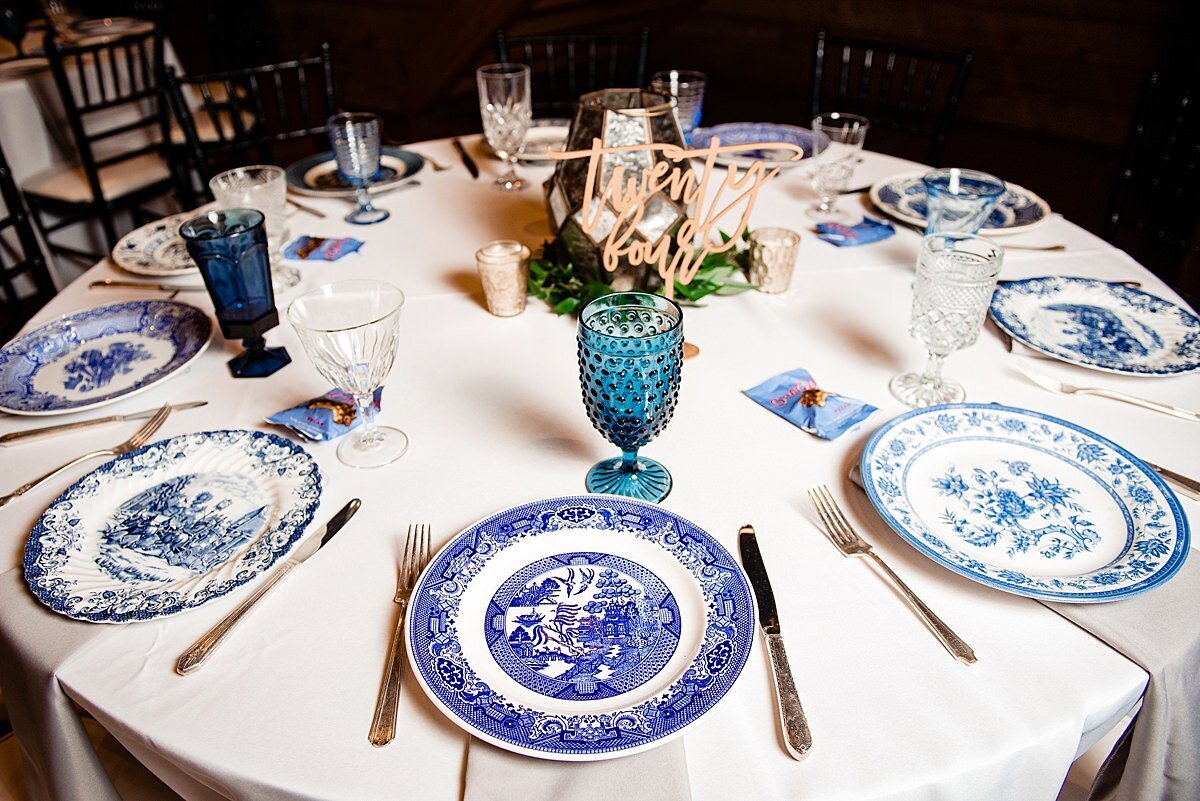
749 133
317 175
171 526
1025 502
97 356
903 197
1100 325
580 628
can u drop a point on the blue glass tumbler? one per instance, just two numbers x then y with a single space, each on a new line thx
959 201
630 353
230 248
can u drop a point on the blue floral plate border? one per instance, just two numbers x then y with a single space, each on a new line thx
903 197
1157 543
435 651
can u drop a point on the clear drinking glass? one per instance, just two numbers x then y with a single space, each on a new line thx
773 254
837 142
356 141
959 201
956 275
349 330
687 87
505 105
264 188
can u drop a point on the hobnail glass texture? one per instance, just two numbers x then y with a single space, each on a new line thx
630 355
773 254
959 201
356 141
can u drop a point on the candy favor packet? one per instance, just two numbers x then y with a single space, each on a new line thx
795 397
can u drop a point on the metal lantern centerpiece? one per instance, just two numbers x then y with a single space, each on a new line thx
616 117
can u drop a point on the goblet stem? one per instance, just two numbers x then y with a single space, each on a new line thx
932 375
364 197
368 435
629 461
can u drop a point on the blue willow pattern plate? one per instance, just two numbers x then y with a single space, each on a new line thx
903 197
742 133
1099 325
1026 503
318 175
580 628
171 525
157 248
97 356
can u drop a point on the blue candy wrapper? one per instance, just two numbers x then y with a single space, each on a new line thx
324 418
845 236
795 397
315 248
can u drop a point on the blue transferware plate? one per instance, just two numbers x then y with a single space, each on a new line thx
171 526
903 197
1100 325
96 356
580 628
317 175
740 133
1025 503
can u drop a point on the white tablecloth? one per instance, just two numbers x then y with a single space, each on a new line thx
493 411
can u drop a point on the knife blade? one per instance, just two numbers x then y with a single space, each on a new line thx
467 161
60 428
797 737
111 283
195 656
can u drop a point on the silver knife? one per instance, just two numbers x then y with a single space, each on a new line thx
61 428
110 283
195 656
796 734
1188 486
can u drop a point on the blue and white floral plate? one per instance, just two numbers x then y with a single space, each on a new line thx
97 356
580 628
171 525
318 176
1026 503
903 197
157 248
743 133
1099 325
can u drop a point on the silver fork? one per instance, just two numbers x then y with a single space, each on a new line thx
437 167
850 544
133 443
1054 385
416 556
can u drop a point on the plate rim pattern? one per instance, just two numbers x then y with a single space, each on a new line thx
895 213
131 267
296 170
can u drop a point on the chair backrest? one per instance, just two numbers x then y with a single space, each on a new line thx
565 66
118 77
906 89
1154 210
238 112
25 282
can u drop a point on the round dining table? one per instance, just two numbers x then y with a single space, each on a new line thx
493 411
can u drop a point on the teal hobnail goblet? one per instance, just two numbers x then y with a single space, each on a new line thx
630 353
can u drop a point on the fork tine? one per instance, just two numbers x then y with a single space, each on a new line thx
814 497
153 424
428 543
408 541
835 513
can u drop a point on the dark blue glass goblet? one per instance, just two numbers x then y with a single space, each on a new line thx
230 248
630 353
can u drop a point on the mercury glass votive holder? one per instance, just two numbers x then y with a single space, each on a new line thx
773 254
504 273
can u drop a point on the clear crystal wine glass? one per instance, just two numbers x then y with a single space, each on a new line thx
506 108
837 144
356 142
262 187
956 275
350 330
630 352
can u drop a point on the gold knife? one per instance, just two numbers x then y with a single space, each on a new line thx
49 431
111 283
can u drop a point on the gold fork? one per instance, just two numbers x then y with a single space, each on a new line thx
133 443
416 556
850 544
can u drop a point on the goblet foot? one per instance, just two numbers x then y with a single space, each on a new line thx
913 390
367 216
508 183
833 214
647 481
259 362
283 277
384 446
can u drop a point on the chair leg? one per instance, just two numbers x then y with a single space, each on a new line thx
109 225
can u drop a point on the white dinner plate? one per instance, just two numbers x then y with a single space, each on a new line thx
157 248
903 197
580 628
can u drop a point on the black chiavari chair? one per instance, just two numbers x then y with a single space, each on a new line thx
123 164
25 281
239 114
908 90
565 66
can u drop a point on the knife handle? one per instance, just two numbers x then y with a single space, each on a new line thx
1188 486
195 656
47 431
796 735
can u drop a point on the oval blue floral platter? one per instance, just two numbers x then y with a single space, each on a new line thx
580 628
1100 325
1025 503
171 525
97 356
744 133
318 176
903 197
